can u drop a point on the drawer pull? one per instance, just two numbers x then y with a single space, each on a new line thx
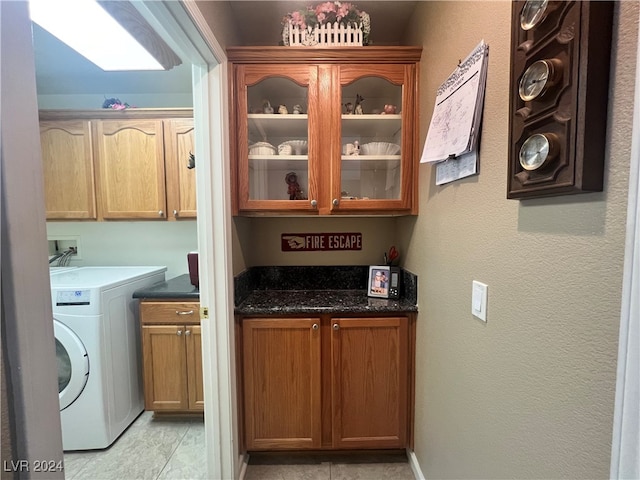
315 326
190 312
336 326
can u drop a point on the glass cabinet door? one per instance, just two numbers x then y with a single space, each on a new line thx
274 137
373 153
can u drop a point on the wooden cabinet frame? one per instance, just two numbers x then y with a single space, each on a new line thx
325 71
172 356
115 165
67 155
337 355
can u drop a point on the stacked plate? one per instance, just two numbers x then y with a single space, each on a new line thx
379 148
298 147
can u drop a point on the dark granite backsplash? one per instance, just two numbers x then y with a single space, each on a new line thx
347 277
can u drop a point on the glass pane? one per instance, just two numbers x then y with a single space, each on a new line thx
278 140
371 139
64 366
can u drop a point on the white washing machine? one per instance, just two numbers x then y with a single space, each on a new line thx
97 336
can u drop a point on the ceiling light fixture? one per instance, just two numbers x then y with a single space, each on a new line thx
87 28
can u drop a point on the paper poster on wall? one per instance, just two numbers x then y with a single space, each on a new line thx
456 168
455 124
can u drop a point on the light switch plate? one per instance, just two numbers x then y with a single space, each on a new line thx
479 300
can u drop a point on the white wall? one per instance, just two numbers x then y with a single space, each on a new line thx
132 243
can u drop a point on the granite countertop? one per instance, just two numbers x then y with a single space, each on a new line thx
178 287
270 302
282 290
296 290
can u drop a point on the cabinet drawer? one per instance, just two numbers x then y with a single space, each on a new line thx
170 312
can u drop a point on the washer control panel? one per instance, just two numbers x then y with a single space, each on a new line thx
73 297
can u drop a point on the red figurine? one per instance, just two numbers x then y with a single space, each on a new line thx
294 190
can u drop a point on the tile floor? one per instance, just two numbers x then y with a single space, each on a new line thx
329 467
173 449
150 449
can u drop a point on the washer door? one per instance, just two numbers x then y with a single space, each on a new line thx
73 364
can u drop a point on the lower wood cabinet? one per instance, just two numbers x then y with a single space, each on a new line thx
327 382
172 356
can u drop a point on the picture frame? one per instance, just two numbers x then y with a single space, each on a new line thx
379 278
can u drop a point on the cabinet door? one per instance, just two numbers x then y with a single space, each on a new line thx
373 165
164 367
67 160
130 168
282 390
277 153
181 175
194 367
370 375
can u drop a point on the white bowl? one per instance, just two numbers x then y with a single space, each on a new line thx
262 148
379 148
299 146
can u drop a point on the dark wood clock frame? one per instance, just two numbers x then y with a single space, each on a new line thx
577 36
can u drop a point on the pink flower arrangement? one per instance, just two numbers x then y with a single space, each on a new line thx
344 13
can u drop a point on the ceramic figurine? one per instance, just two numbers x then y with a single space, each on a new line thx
293 190
282 109
390 109
266 107
297 109
358 108
348 108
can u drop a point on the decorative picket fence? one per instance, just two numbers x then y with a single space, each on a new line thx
333 35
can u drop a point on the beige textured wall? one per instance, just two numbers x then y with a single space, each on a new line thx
219 19
530 393
258 240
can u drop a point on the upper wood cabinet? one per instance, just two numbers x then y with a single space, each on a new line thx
181 175
113 165
348 143
67 151
130 168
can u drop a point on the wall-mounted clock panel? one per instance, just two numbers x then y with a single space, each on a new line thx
558 96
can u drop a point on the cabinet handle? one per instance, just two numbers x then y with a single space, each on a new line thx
190 312
336 326
336 202
187 333
179 332
314 203
160 213
175 213
315 326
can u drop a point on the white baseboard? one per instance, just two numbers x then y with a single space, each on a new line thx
244 463
415 466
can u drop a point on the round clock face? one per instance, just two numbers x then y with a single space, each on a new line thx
537 150
535 80
532 13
